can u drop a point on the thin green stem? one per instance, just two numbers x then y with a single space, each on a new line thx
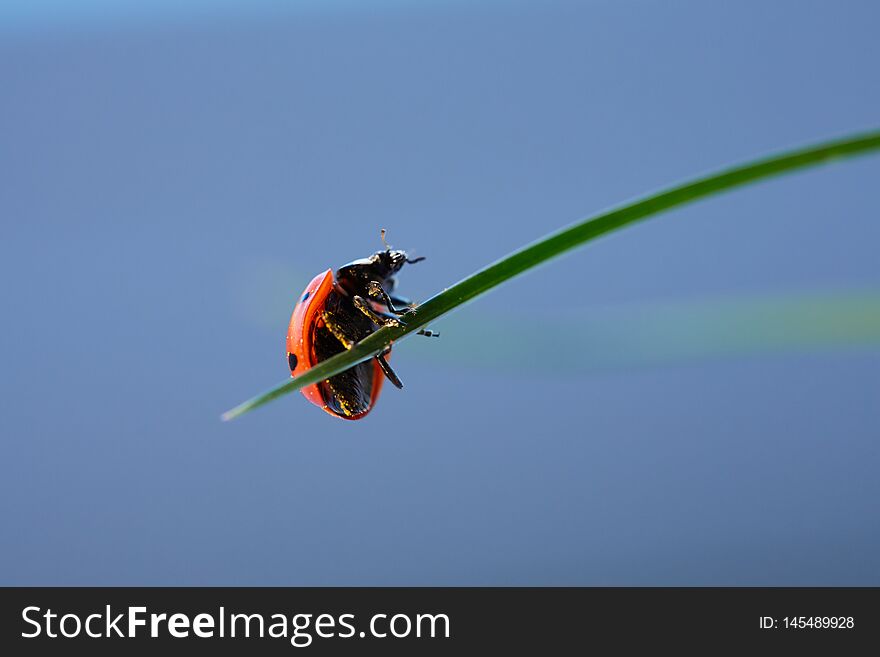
565 240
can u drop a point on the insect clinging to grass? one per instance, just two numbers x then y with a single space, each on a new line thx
337 310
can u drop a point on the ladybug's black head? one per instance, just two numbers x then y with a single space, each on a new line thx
390 261
356 277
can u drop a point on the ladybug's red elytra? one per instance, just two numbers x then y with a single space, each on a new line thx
333 313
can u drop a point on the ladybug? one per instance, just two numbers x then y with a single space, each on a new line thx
337 310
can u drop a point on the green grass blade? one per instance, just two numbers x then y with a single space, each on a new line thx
565 240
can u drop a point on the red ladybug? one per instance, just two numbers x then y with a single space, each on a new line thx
336 311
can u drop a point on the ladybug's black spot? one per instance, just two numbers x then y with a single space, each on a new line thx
305 296
291 361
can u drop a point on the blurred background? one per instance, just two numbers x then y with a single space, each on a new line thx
691 401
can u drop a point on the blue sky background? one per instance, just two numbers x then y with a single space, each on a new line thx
174 173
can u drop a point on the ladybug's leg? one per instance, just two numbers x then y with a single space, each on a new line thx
361 304
386 369
402 301
426 332
339 334
336 330
377 292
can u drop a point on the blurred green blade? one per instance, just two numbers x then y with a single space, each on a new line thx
567 239
657 333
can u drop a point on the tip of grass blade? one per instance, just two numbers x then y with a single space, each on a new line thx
285 386
233 413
